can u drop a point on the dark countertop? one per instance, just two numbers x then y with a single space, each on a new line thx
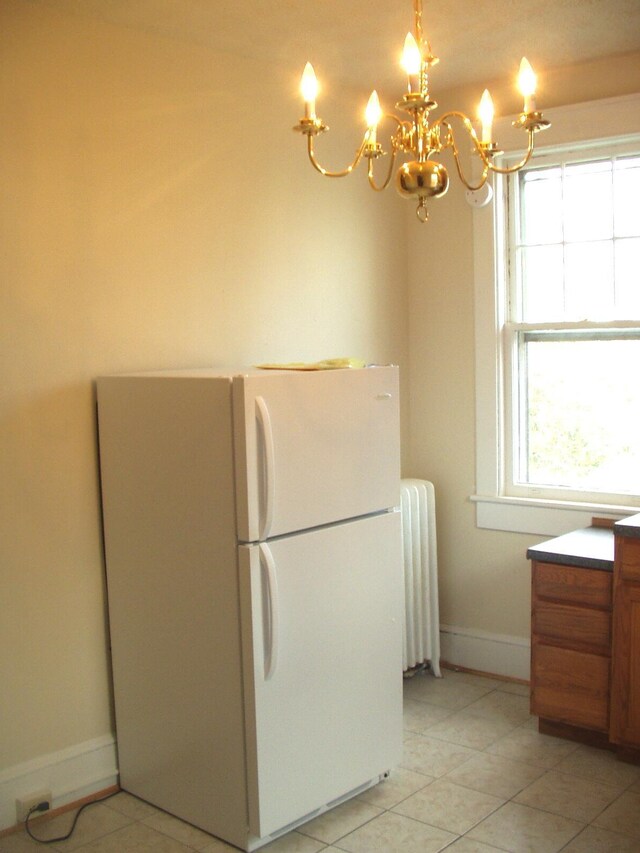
628 526
590 548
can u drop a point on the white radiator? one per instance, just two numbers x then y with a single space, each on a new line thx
421 614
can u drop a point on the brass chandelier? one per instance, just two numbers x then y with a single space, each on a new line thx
422 177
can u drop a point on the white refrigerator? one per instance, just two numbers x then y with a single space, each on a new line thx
254 577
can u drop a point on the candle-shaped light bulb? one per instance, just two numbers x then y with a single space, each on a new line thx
527 85
485 111
411 57
309 90
373 114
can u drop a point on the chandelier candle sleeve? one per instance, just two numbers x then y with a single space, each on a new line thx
411 62
527 85
373 114
485 112
309 90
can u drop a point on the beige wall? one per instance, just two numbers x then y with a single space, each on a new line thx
146 223
140 231
484 575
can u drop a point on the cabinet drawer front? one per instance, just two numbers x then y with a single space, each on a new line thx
570 687
628 558
566 583
573 626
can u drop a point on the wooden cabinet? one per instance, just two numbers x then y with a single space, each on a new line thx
571 645
625 690
585 636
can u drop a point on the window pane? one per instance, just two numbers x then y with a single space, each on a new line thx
542 284
543 204
589 277
588 200
582 408
626 196
628 279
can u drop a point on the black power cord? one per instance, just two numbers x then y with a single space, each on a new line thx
44 806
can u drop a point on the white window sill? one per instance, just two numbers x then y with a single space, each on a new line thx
541 517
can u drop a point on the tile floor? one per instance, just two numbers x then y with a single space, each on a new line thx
476 778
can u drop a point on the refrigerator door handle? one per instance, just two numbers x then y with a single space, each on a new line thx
266 432
271 656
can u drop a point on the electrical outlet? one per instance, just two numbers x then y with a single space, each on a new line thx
23 804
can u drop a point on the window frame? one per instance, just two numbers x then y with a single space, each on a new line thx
575 125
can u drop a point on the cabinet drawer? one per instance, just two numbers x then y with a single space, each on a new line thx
567 583
628 558
570 686
573 626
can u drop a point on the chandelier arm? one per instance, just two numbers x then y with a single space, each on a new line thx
326 172
387 180
466 121
500 170
450 142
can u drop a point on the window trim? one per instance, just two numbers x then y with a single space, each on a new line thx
575 124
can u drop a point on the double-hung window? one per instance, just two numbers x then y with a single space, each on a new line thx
572 348
567 327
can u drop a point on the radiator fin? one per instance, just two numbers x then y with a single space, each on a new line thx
421 613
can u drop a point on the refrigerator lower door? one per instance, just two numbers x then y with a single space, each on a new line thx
322 652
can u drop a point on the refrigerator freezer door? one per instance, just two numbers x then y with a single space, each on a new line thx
322 647
314 447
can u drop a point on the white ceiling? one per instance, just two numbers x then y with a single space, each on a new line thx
359 41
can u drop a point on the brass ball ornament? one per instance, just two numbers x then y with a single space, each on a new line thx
426 179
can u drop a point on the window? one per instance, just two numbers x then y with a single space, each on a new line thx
557 284
573 327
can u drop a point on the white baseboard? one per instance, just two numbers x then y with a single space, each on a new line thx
498 654
70 775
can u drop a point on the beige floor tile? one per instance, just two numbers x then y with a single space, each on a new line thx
498 705
293 842
94 822
130 806
433 757
470 845
419 716
495 775
484 681
448 806
623 815
596 840
392 833
400 785
341 820
569 796
515 688
446 692
470 730
178 829
520 829
599 765
528 745
218 846
135 838
19 842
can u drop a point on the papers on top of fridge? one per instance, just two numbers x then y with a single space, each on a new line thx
326 364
